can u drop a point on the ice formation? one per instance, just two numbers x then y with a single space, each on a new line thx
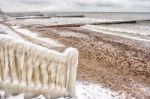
31 69
126 33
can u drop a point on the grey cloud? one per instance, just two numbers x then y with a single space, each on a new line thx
75 5
108 5
35 2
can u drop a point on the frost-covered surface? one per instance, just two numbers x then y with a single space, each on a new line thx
93 91
135 34
2 30
25 31
35 36
5 30
72 34
19 96
141 87
1 19
83 91
32 69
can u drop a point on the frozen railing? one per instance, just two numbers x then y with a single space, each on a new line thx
33 70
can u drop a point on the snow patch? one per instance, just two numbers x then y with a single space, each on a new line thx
117 32
5 30
93 91
24 31
35 36
83 91
72 34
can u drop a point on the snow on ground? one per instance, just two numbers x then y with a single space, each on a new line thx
83 91
141 87
35 36
119 32
24 31
93 91
1 19
5 30
72 34
51 41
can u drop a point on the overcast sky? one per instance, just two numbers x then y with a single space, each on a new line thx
76 5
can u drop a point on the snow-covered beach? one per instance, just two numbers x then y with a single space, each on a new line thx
114 58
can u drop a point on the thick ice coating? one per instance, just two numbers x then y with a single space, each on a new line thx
31 69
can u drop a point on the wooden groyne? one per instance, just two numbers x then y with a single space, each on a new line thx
92 23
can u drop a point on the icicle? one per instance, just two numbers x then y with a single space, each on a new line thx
1 62
49 72
62 75
12 61
36 73
53 73
24 69
67 74
72 63
20 61
6 68
29 65
44 72
2 59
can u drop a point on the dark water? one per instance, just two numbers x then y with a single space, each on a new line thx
108 15
100 15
